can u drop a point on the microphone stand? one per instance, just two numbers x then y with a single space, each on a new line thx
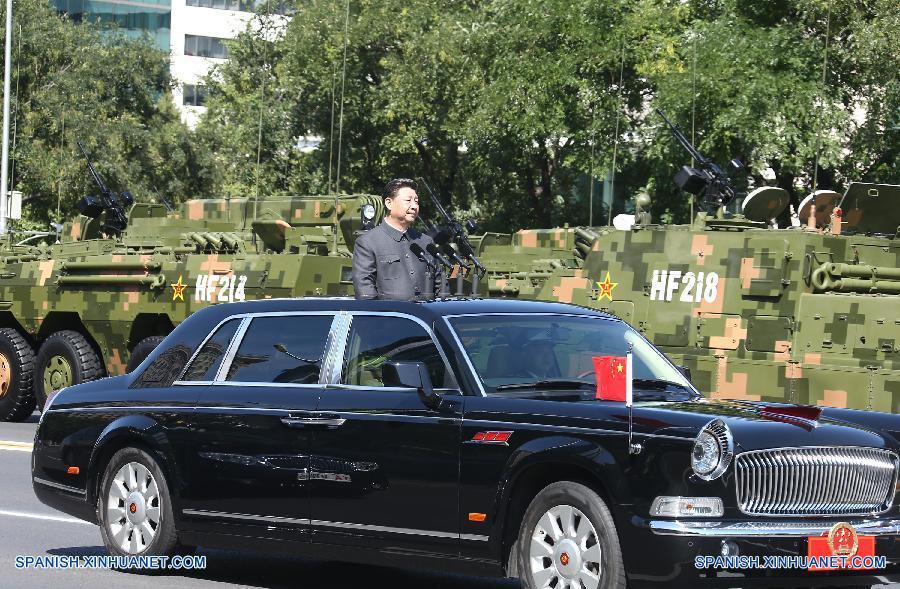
460 285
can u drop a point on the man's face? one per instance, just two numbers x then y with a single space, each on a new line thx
404 207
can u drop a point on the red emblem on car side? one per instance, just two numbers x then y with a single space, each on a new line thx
491 437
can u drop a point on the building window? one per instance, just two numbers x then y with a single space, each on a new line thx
132 19
205 46
274 7
195 94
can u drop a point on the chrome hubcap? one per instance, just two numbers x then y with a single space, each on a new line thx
132 508
564 552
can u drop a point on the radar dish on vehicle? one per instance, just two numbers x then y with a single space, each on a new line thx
765 203
825 201
871 208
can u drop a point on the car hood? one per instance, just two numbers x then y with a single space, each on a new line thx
757 425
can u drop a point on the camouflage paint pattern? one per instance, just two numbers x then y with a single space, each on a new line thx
756 313
168 265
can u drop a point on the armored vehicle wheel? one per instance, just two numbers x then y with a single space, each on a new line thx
568 541
16 374
142 350
65 358
134 507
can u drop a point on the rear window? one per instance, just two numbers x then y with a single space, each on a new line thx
207 361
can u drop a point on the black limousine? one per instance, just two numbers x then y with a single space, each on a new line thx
467 436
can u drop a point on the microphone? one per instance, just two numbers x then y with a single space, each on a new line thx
434 251
418 252
443 238
448 251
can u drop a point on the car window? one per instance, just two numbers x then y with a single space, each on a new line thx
282 349
374 340
529 348
207 361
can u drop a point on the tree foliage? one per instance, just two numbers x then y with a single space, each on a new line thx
74 82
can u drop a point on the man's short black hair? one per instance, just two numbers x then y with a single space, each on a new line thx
393 187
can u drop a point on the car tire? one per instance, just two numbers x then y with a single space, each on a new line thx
65 358
142 350
16 376
568 534
134 507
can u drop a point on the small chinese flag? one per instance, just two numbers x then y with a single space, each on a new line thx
612 377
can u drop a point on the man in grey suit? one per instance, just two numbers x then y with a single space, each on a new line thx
384 267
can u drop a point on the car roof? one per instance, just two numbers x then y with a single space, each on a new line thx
425 310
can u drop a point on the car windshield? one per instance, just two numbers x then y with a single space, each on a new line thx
534 351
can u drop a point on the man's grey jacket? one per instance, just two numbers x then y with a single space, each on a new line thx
385 268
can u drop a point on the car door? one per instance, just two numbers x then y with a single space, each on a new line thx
252 455
388 473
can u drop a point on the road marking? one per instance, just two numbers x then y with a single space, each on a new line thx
17 446
52 518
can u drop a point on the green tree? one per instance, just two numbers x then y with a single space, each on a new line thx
506 105
77 82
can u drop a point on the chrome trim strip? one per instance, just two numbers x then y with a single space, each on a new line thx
138 409
231 352
782 529
245 516
389 529
334 348
474 537
275 385
60 486
330 524
568 428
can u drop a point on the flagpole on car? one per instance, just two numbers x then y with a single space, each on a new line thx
629 402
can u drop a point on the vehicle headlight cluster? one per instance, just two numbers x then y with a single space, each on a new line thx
713 450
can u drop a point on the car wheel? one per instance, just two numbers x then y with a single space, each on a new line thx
65 358
568 541
16 374
142 350
134 507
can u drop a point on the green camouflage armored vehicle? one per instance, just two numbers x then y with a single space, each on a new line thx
101 298
807 314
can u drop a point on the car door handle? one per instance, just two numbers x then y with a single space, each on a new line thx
313 419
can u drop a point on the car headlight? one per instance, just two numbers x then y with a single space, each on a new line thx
368 212
713 450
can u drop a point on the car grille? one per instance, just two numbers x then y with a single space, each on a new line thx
815 481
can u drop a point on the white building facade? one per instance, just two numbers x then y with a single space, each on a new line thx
193 32
199 31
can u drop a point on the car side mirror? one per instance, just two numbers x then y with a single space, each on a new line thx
413 375
685 371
